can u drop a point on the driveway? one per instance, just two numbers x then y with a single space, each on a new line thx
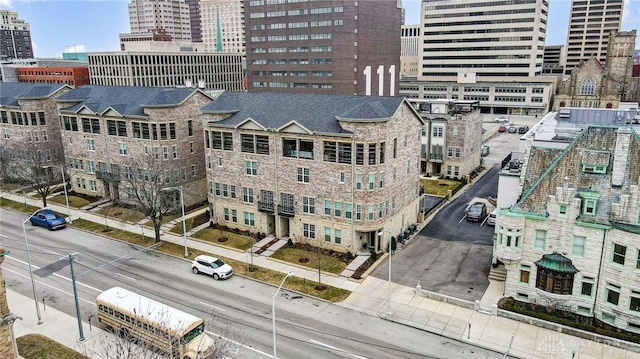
451 255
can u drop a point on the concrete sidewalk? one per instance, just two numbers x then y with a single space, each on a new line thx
474 327
56 325
408 307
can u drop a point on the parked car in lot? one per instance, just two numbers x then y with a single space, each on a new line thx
485 151
523 129
502 129
512 130
48 219
502 118
211 266
477 212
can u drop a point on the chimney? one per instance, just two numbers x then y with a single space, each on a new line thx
621 156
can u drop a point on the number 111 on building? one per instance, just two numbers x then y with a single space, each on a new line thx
380 74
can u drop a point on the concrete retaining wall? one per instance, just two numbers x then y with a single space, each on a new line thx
445 298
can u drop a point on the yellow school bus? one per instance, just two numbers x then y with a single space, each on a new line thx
179 334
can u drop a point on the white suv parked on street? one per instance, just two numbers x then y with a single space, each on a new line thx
211 266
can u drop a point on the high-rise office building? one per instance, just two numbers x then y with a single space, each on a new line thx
15 37
222 24
324 46
194 17
409 58
591 23
465 39
170 15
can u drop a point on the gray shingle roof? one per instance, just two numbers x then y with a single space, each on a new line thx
10 92
317 113
127 100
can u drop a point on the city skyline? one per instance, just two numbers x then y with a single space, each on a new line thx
69 33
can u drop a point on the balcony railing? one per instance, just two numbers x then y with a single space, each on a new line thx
108 176
266 207
286 211
436 157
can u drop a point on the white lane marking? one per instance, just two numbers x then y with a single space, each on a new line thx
485 220
212 306
242 345
124 276
3 236
461 219
57 275
50 286
336 349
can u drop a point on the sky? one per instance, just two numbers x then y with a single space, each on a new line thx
59 26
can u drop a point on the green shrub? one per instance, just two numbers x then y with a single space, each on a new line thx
568 319
374 255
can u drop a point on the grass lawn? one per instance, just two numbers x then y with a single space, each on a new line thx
122 214
36 346
74 201
237 241
327 264
135 238
17 206
438 187
178 227
11 186
169 218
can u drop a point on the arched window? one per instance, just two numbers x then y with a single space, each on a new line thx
588 86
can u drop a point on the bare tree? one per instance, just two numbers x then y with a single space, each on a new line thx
144 185
315 247
24 162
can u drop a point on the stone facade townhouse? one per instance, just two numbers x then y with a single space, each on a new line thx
451 137
108 129
572 240
29 125
341 169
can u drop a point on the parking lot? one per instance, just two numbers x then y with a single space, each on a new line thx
452 256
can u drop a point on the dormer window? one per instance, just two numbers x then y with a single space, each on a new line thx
589 202
599 169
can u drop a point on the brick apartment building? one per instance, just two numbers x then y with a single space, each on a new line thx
327 46
107 130
333 168
29 123
72 76
451 137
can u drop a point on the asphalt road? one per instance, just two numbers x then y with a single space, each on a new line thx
238 309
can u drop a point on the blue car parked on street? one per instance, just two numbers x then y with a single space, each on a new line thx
49 219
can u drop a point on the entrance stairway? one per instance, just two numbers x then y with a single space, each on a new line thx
498 274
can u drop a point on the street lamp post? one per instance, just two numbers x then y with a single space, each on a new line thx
273 311
389 311
33 283
75 296
184 227
64 185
